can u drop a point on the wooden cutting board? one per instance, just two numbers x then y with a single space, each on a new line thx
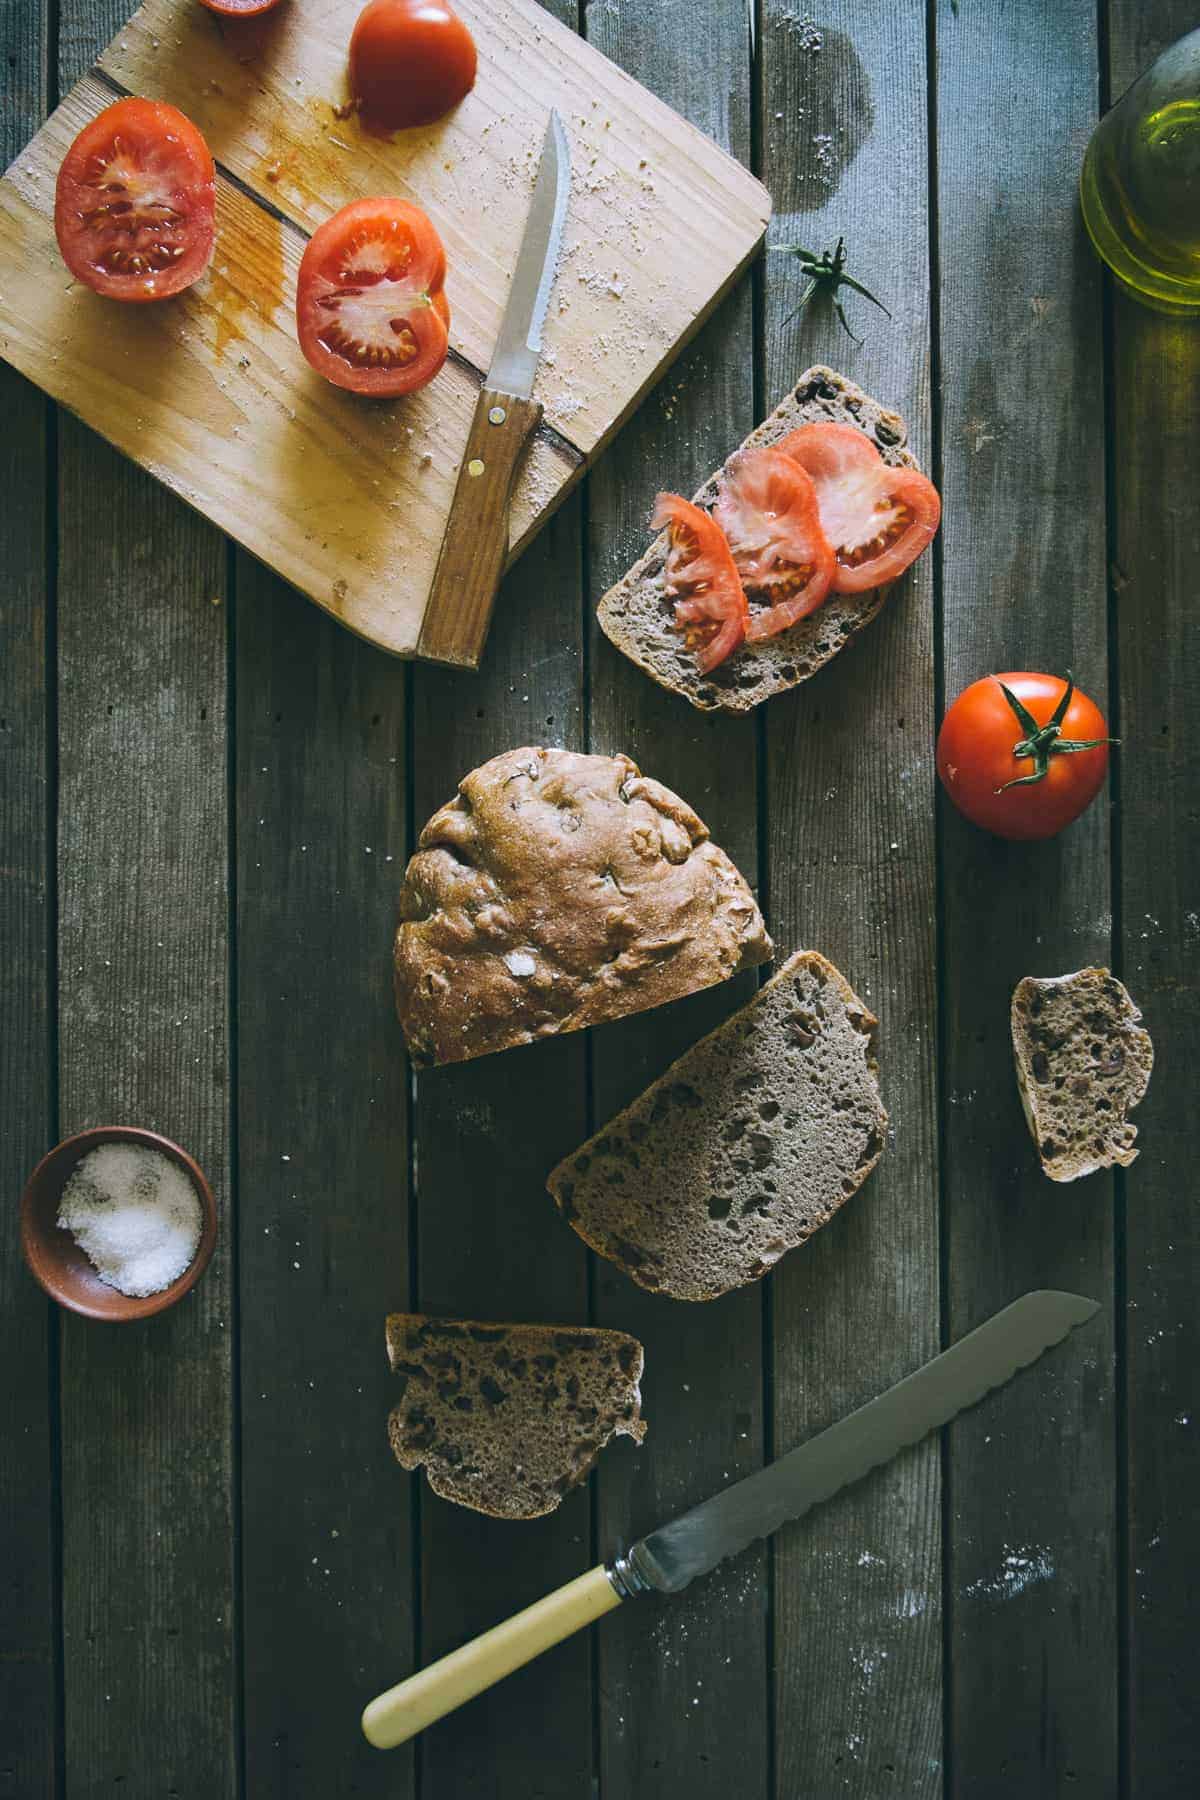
348 498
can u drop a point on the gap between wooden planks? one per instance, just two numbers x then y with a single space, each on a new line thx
347 501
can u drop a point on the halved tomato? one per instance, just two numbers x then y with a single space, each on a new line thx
877 518
133 209
239 9
410 62
370 311
712 611
767 508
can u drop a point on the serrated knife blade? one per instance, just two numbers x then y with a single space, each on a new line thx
519 345
789 1487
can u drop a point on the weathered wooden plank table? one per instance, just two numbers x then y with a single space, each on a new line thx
208 793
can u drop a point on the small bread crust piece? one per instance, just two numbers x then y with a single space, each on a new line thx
1083 1062
506 1419
638 614
555 891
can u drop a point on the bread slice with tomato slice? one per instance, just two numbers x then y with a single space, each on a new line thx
638 614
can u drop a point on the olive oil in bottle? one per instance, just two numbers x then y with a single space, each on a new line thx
1140 185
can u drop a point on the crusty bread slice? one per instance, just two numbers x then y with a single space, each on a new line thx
508 1418
558 890
748 1143
638 614
1083 1062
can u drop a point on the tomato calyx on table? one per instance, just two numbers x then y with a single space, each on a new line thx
711 608
767 508
371 312
1001 725
878 518
135 201
411 61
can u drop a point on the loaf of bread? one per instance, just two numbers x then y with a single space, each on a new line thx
508 1418
1083 1062
555 891
639 615
748 1144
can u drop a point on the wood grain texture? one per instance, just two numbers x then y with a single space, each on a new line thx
210 392
148 1596
1156 543
455 623
490 1245
673 1674
1033 1621
849 800
327 1542
143 860
29 1752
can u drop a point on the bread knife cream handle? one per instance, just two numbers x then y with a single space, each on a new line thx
406 1709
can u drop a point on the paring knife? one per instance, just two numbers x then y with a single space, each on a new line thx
475 544
692 1545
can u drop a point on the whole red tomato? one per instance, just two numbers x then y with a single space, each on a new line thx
410 62
1023 754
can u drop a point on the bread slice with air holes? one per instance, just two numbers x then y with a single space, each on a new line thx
638 614
748 1144
1083 1062
506 1419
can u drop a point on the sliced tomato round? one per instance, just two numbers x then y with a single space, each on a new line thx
878 519
410 62
710 602
133 209
767 508
370 310
239 9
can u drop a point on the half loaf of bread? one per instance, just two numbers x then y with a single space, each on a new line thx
639 615
558 890
508 1418
748 1144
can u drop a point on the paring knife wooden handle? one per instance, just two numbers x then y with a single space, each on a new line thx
475 546
408 1708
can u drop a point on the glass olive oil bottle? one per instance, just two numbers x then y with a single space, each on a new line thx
1140 186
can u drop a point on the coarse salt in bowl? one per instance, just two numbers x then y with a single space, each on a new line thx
118 1223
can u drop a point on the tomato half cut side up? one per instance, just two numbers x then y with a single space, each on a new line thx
877 518
701 576
134 204
370 311
767 508
239 9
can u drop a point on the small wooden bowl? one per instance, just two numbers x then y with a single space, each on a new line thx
57 1261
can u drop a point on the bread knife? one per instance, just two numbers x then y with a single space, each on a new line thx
689 1546
475 544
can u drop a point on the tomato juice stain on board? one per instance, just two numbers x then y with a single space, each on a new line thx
251 283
